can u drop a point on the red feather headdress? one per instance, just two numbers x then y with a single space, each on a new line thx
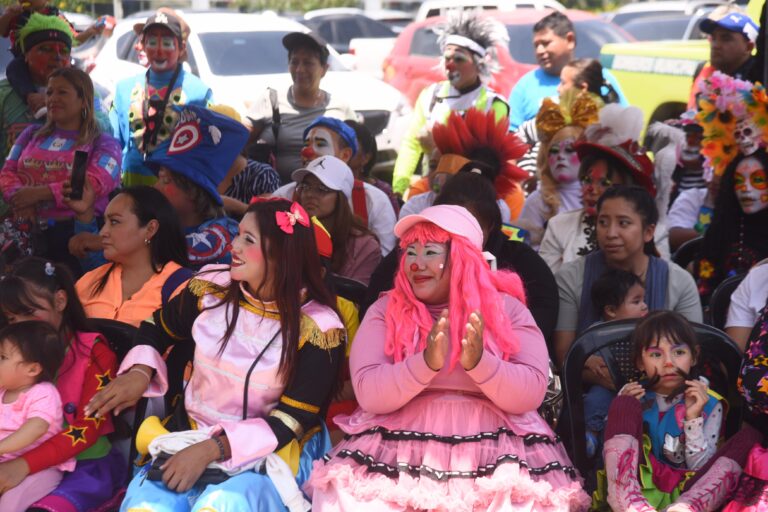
477 130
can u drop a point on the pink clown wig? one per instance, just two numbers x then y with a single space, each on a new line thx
473 287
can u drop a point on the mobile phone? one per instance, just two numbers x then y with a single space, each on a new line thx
77 179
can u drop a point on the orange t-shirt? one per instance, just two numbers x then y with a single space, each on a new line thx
109 303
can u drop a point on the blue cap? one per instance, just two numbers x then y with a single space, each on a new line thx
733 22
202 148
344 131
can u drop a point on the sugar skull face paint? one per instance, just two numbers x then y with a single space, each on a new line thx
747 135
162 49
563 161
750 186
320 141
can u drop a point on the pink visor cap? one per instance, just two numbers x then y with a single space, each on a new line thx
454 219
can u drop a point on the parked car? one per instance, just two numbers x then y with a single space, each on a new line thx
240 55
670 66
415 58
338 28
661 27
431 8
638 10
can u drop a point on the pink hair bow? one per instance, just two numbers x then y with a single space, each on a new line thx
286 220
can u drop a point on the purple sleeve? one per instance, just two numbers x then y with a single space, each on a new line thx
381 385
9 179
516 385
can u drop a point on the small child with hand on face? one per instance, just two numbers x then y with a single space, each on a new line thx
616 295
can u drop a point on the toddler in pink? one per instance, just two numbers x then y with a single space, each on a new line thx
30 406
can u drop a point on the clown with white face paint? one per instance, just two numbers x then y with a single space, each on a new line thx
143 114
468 43
560 126
328 136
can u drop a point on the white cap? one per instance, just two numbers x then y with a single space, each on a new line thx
331 171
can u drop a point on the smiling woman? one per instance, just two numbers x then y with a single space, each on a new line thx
448 368
40 162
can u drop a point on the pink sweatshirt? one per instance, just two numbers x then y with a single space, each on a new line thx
516 386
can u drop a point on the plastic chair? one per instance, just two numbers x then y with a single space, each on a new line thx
720 300
353 291
687 252
716 348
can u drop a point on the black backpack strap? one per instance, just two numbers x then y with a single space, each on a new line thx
275 112
174 280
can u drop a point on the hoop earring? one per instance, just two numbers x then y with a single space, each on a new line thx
83 114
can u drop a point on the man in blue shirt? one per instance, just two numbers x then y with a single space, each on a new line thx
554 42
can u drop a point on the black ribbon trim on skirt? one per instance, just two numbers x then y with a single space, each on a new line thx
442 475
407 435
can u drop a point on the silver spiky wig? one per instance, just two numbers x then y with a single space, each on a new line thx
471 26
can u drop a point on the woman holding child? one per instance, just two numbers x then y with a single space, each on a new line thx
626 221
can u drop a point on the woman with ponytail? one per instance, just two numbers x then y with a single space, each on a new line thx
449 369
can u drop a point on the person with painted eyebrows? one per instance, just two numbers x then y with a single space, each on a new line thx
144 111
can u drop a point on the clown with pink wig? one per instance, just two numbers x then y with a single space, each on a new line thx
448 368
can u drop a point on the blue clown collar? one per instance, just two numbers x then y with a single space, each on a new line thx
202 148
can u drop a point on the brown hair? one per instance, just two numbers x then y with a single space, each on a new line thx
663 324
81 82
343 225
293 269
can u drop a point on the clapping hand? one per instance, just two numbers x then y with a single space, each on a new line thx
472 342
438 343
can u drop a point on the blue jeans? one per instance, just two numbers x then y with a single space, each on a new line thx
596 403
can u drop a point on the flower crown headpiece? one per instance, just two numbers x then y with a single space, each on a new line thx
733 114
576 108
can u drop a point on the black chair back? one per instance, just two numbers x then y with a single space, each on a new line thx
720 300
716 349
687 252
353 291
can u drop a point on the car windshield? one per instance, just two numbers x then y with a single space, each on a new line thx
658 28
591 35
232 53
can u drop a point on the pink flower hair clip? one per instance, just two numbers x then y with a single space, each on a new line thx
286 220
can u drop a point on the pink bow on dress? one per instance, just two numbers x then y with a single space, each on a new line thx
286 220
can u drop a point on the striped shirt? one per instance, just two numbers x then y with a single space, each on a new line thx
257 178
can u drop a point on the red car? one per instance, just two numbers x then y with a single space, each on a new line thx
414 61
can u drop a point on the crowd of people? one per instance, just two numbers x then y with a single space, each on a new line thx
327 340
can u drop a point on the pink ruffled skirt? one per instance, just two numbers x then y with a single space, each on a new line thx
446 452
